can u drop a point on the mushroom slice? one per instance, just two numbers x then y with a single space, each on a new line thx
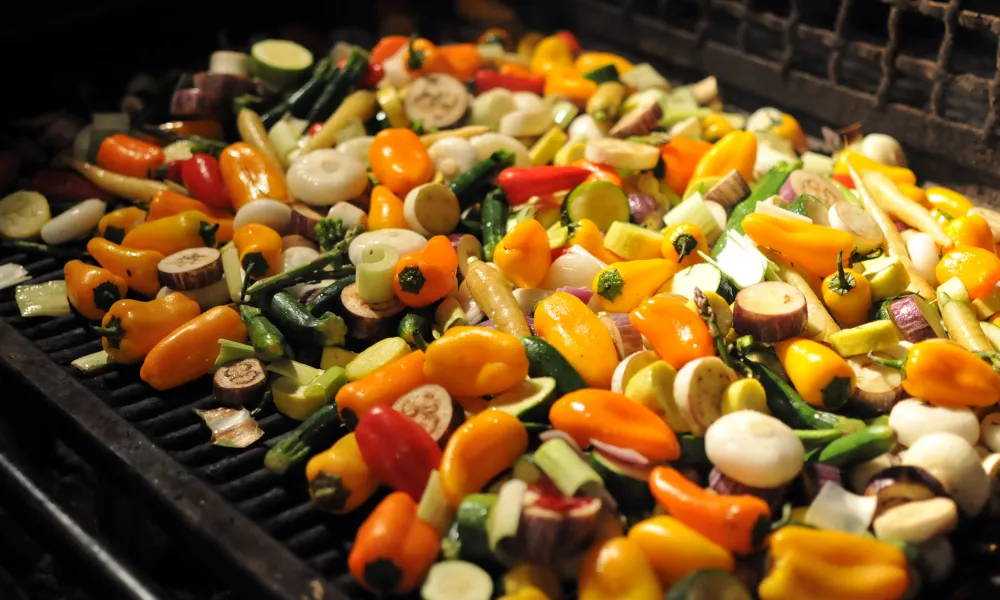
916 522
901 484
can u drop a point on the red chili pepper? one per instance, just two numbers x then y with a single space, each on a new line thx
67 186
314 128
397 450
203 180
371 77
521 183
844 180
487 80
570 40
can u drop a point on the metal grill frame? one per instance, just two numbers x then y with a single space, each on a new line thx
946 151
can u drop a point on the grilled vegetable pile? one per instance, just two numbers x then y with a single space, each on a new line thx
577 331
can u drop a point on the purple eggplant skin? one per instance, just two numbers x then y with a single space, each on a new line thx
901 484
815 474
545 534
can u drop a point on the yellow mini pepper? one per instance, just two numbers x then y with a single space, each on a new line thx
848 295
588 236
476 361
949 202
618 569
91 289
971 230
675 550
832 565
565 81
114 225
588 61
564 321
189 229
736 150
551 52
523 254
862 163
622 286
810 246
819 374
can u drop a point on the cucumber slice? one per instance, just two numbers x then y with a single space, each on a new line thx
600 201
22 215
709 584
456 580
529 401
705 277
467 537
279 63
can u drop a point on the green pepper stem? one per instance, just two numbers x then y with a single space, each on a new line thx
886 362
684 244
841 274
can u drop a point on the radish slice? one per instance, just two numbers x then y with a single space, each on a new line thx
855 221
804 182
627 455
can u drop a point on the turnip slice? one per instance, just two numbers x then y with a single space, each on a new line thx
698 390
855 221
631 365
915 318
770 311
803 182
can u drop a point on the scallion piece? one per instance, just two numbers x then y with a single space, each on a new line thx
42 299
506 513
325 387
434 508
92 363
230 351
569 472
375 273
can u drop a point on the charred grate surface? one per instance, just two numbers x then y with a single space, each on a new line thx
923 71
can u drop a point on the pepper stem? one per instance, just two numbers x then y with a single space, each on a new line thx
886 362
249 266
207 232
416 59
841 274
113 332
684 244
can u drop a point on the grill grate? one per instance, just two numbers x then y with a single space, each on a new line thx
925 72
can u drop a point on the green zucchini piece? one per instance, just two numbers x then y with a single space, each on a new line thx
279 63
529 401
545 361
313 435
328 299
467 538
600 201
300 324
705 277
629 484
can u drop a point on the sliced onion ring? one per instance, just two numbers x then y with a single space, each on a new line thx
626 455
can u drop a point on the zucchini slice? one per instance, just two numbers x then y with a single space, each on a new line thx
600 201
709 584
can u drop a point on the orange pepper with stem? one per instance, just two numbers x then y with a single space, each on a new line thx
399 160
167 203
681 244
942 372
464 59
249 174
737 523
114 225
971 230
587 235
131 328
380 387
189 229
677 333
126 155
423 57
736 150
386 210
978 269
612 418
565 81
189 351
479 450
387 46
617 569
476 361
675 550
949 202
91 289
427 275
598 171
393 549
680 158
523 254
565 322
137 267
260 250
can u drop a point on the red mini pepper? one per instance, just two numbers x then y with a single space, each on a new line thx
487 80
173 171
521 183
203 180
126 155
844 180
397 450
64 185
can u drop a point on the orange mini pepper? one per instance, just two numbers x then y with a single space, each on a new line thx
523 254
137 267
167 203
587 235
612 418
807 245
386 210
971 230
388 46
737 523
249 174
681 244
949 202
427 275
189 229
677 333
978 269
476 361
126 155
91 289
680 158
422 57
260 249
189 351
565 81
399 160
131 328
736 150
479 450
114 225
565 322
464 60
943 372
381 387
393 549
598 171
675 550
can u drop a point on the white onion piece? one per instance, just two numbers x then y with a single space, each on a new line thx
625 336
836 508
526 100
488 143
403 241
924 255
527 298
718 212
272 213
473 313
576 268
754 449
350 215
584 128
989 431
394 69
325 177
75 223
627 455
357 148
453 156
913 418
956 465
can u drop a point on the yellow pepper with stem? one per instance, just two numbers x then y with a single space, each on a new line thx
523 254
618 569
949 202
92 289
807 245
832 565
736 150
587 235
681 244
114 225
848 295
189 229
475 361
137 267
479 450
588 61
622 286
675 550
565 322
819 374
862 163
551 53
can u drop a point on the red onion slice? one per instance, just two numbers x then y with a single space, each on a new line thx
625 336
626 455
584 294
641 205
